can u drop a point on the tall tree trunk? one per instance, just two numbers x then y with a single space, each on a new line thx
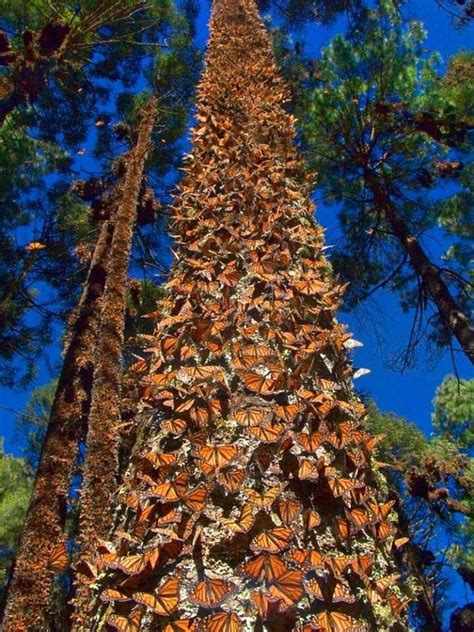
29 590
250 502
452 316
101 461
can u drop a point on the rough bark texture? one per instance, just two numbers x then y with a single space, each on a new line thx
430 276
30 587
250 502
101 461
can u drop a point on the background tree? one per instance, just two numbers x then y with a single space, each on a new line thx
392 129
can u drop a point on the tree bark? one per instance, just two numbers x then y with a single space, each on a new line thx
451 315
29 590
251 473
101 461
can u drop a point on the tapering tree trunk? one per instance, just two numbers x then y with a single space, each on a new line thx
250 502
29 590
456 321
101 461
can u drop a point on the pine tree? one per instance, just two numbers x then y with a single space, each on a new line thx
251 501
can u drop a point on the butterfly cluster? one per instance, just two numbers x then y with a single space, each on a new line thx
252 495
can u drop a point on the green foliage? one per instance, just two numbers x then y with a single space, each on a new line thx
15 487
379 105
453 415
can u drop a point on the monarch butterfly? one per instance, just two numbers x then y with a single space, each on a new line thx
334 591
336 622
311 286
124 624
382 531
359 518
338 564
287 413
265 567
311 519
272 540
261 384
202 372
399 542
342 528
363 565
161 460
264 603
382 585
35 245
249 416
230 277
268 433
232 479
287 509
181 625
307 470
114 595
165 491
396 604
288 587
381 511
340 486
223 622
134 564
310 442
58 562
213 458
211 592
244 523
169 515
371 442
164 601
262 501
170 345
306 559
196 498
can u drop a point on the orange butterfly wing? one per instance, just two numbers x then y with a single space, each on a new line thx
162 602
211 592
125 624
288 509
265 567
249 417
223 622
271 541
288 587
58 560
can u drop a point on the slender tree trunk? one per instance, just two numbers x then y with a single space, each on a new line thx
250 502
101 461
29 590
452 316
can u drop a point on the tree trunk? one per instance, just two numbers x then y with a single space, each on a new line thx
453 318
250 488
101 461
29 590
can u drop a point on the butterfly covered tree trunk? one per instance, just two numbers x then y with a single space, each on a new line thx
101 460
43 536
251 501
